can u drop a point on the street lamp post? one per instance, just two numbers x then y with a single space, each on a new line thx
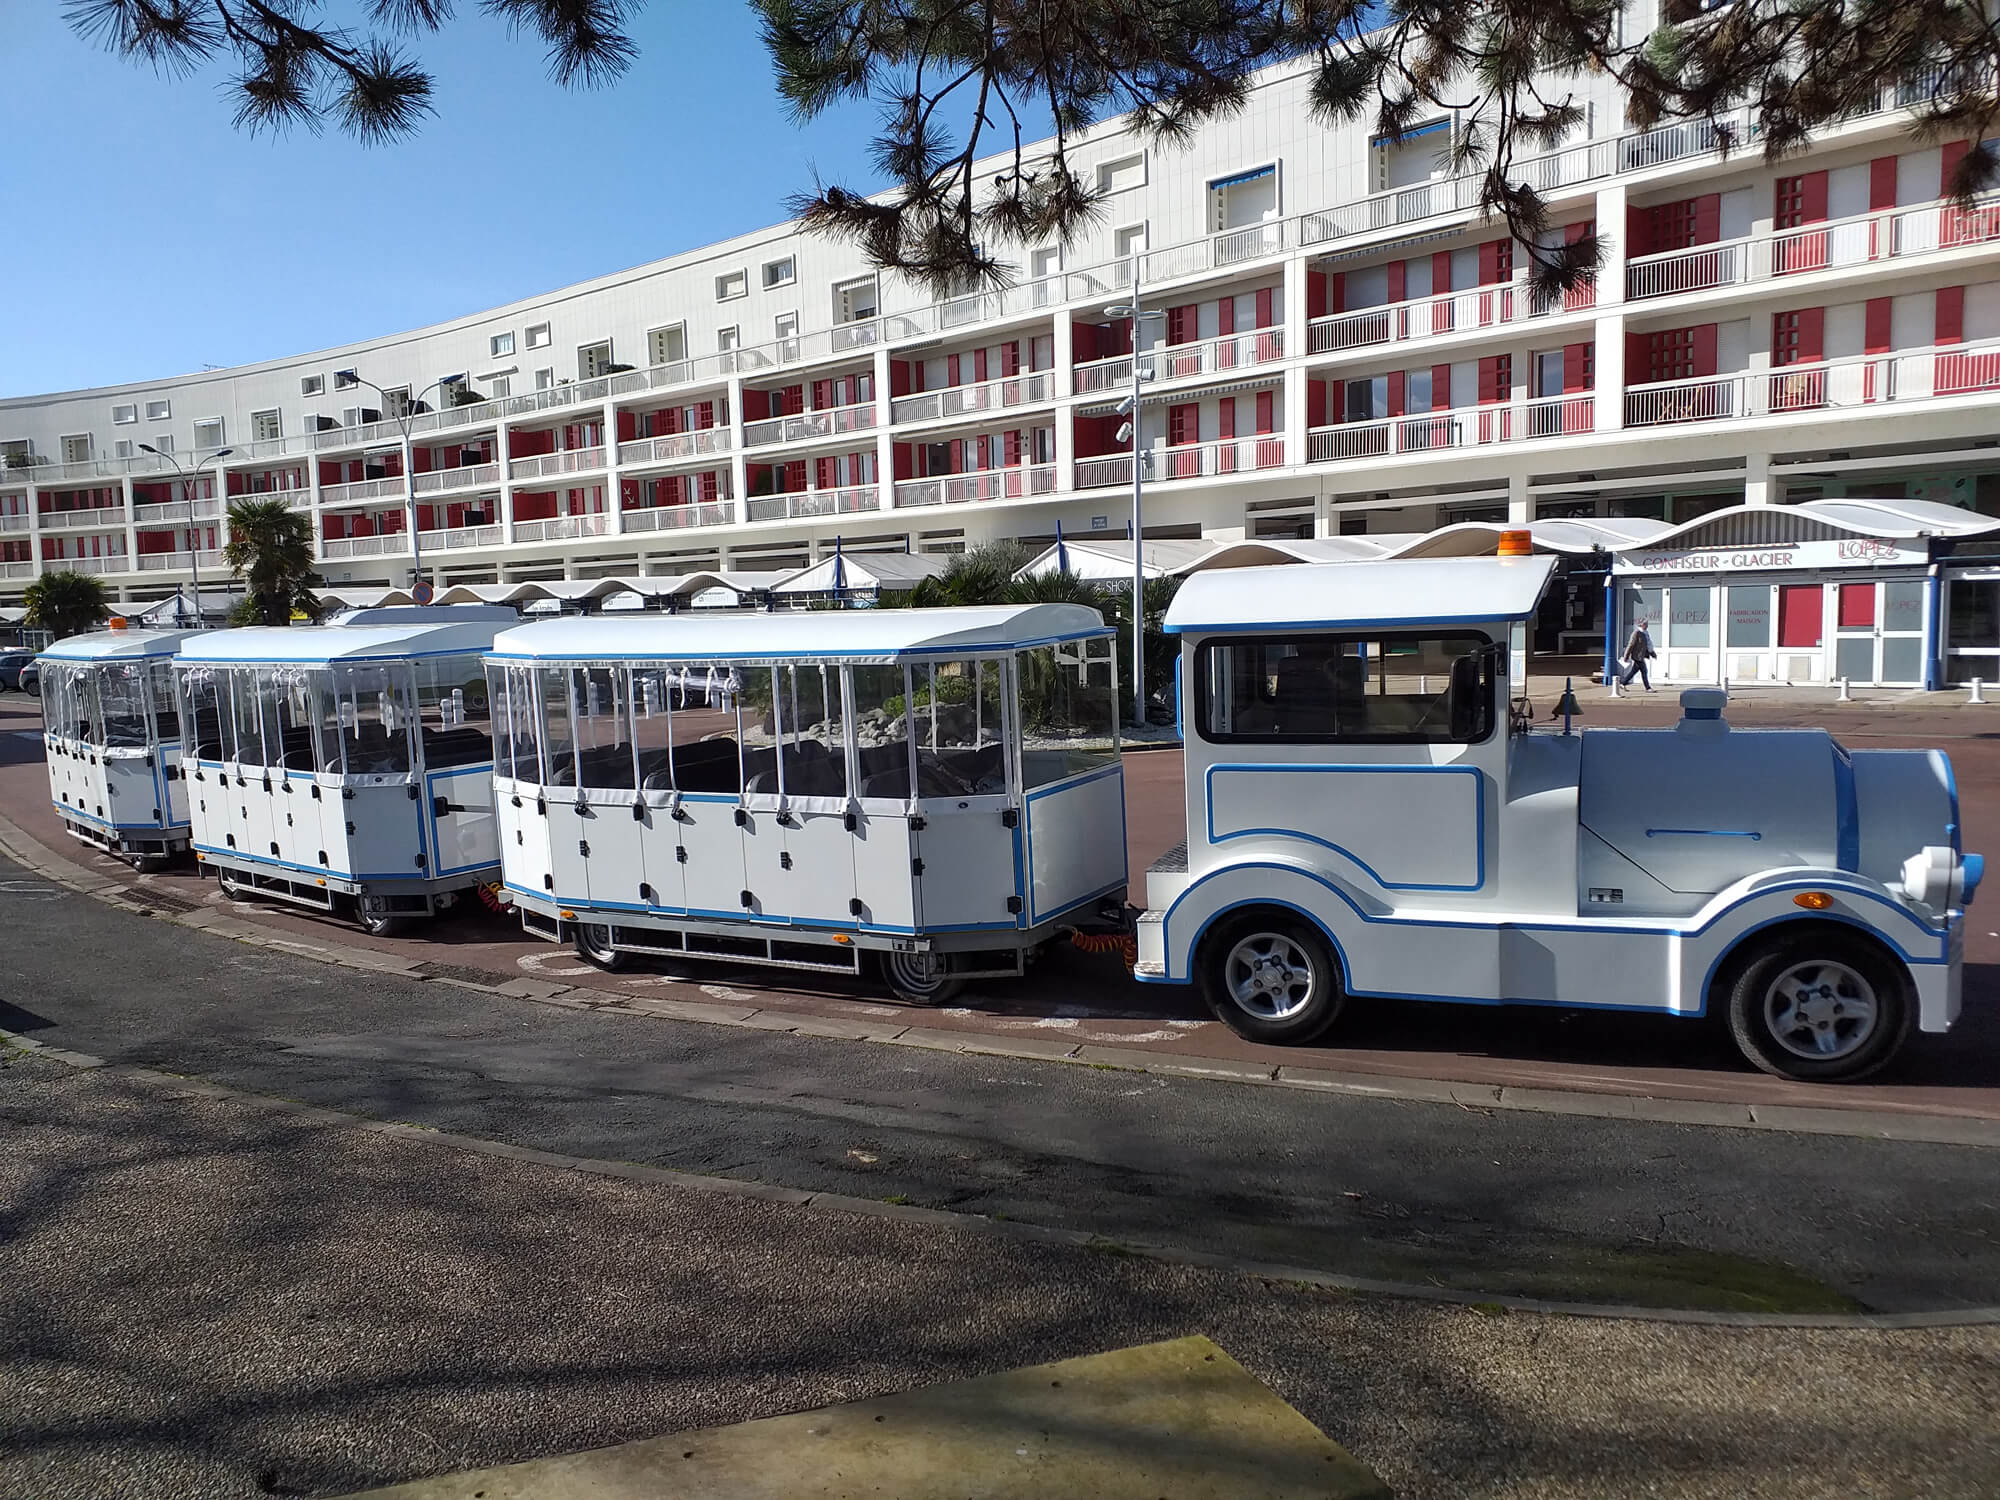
1129 408
188 477
402 420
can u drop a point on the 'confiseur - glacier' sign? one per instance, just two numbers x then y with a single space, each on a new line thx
1847 552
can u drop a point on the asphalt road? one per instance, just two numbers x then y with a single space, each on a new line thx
1501 1201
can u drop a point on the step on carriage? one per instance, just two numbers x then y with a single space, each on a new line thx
346 765
939 789
113 742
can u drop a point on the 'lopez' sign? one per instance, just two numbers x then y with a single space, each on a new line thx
1850 552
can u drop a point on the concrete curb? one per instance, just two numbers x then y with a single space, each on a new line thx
1864 1124
980 1224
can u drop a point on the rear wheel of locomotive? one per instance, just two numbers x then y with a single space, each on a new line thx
920 978
1271 977
1820 1005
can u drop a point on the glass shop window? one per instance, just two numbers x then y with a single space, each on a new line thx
1688 616
1321 689
454 711
1749 627
957 715
1068 699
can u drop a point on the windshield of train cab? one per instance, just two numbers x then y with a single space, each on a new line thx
1379 689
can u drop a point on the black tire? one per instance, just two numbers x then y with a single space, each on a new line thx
1270 977
593 946
34 687
231 889
382 924
148 864
1820 1005
920 978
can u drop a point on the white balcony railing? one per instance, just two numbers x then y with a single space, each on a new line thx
681 517
471 476
805 504
1012 483
1032 388
103 518
1450 312
365 546
17 569
456 538
175 510
1213 357
561 528
1912 375
15 521
1185 461
177 562
86 565
569 461
1459 427
806 425
675 445
362 489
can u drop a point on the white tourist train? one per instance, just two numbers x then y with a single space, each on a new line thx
345 766
1365 817
937 789
113 744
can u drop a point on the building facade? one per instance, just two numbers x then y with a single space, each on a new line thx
1343 348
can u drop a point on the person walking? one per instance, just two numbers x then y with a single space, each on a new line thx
1638 651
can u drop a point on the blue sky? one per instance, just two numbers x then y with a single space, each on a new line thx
143 237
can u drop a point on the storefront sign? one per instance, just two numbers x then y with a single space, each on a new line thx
1848 552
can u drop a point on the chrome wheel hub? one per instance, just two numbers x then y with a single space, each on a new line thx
1821 1010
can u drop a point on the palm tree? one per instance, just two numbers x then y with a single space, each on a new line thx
271 549
67 603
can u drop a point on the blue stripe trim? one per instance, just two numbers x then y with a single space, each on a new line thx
1847 817
1265 627
1705 833
63 809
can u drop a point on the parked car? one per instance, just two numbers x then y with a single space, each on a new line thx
31 677
12 664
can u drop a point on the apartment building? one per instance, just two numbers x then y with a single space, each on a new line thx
1341 347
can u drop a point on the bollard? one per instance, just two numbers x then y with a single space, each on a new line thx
1423 686
1978 696
1844 697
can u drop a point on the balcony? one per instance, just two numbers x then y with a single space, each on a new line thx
805 426
18 570
86 565
1913 375
1013 483
1450 312
15 521
176 562
478 413
103 519
569 461
456 538
472 476
1035 388
1834 243
1221 356
562 528
1461 427
390 487
1184 461
985 306
364 546
681 517
675 445
810 504
177 510
710 369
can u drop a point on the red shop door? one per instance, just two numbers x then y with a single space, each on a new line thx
1801 615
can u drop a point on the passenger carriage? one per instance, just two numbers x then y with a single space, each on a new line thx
938 788
113 742
1366 818
346 765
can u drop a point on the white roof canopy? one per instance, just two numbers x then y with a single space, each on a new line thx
322 645
108 645
864 570
867 635
1817 520
1439 591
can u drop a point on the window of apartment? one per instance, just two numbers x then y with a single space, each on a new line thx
1420 156
545 379
1129 241
788 325
125 414
312 385
163 442
667 346
501 387
854 300
15 453
123 448
208 433
539 336
1670 355
1670 226
1123 174
732 284
1045 262
1241 200
76 448
728 338
593 360
345 380
159 411
266 425
500 344
396 400
779 272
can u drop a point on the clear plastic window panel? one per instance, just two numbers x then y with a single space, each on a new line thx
958 719
706 701
558 742
651 691
166 712
454 712
289 712
881 732
247 716
755 695
1327 689
123 701
603 729
502 720
1069 710
205 713
813 741
325 699
376 709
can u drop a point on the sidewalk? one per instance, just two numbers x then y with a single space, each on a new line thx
205 1296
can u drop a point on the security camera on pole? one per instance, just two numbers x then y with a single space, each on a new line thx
194 532
1129 409
402 421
